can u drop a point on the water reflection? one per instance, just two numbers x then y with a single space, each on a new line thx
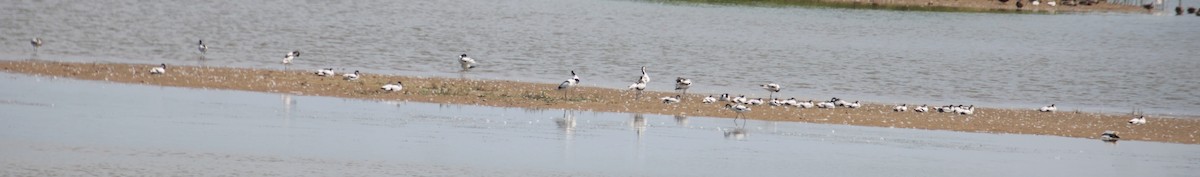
566 123
738 132
638 124
681 120
288 105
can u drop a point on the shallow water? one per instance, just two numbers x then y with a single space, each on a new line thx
1090 62
138 126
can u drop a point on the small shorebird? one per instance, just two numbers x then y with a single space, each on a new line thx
325 72
853 105
569 83
901 108
351 76
790 102
709 99
393 87
203 48
1035 2
772 88
1050 108
645 77
739 99
775 102
922 108
1139 120
669 100
805 104
739 109
1051 3
159 70
37 44
838 102
1109 136
826 104
683 84
724 97
756 101
639 87
466 62
287 59
967 111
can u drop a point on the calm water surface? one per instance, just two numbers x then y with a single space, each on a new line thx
1091 62
123 123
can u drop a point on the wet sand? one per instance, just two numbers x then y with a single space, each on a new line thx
543 95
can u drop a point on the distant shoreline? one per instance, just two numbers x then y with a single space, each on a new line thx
545 96
986 6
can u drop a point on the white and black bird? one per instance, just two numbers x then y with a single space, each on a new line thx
683 84
772 88
724 97
203 48
838 102
393 87
805 104
466 62
1050 108
37 44
326 72
1110 136
351 76
967 111
670 100
853 105
756 101
645 78
922 108
1139 120
737 108
826 104
740 99
775 102
639 87
569 83
900 108
287 59
159 70
709 99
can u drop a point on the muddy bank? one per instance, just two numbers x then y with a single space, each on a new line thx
543 95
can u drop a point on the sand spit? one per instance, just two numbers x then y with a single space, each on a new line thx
545 96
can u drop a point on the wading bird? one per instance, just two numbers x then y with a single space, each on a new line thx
466 62
159 70
393 87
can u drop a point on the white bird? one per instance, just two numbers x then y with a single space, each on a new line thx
805 104
826 104
709 99
756 101
645 77
838 102
683 84
775 102
790 102
351 76
393 87
772 88
203 48
37 43
159 70
739 109
901 108
466 62
287 59
854 105
1035 3
967 111
325 72
569 83
1050 108
1109 136
1140 120
739 99
1051 3
724 97
639 87
670 100
922 108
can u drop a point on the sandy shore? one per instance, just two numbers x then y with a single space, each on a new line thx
545 96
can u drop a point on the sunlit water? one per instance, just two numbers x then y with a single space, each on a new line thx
1091 62
195 124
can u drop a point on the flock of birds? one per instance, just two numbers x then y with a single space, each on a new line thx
739 105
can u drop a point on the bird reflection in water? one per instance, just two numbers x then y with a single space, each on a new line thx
738 132
681 120
288 104
566 123
638 124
